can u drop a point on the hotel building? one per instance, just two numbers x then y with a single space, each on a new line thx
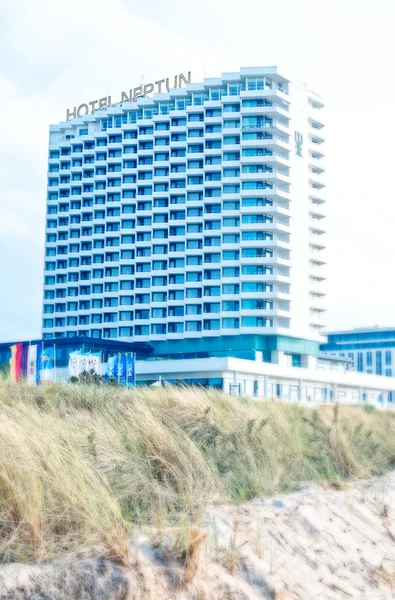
369 350
193 220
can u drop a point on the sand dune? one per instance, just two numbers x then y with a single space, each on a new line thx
313 544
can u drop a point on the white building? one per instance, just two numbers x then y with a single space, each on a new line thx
369 350
193 220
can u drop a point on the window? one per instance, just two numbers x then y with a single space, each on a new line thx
176 311
230 272
231 205
195 117
193 326
251 219
158 329
256 235
195 212
141 330
211 307
232 124
256 253
231 221
212 290
211 324
234 89
175 327
176 263
388 358
176 279
159 297
158 313
256 322
194 227
193 276
176 294
230 288
231 139
230 323
256 304
193 293
159 281
230 255
176 247
142 298
379 365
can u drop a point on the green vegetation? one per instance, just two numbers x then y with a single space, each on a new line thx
80 464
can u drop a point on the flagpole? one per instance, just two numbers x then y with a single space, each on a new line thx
126 366
29 353
118 373
134 369
41 357
54 362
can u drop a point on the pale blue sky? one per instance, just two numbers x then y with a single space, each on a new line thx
54 55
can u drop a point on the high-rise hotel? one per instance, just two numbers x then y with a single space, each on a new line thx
193 219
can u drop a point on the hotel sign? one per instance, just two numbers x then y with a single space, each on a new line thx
141 91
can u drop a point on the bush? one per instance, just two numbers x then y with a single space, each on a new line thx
93 378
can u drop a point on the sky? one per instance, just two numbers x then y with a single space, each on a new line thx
55 55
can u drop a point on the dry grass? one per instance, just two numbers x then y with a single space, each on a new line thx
80 464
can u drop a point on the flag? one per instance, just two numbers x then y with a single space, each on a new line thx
130 369
47 363
94 362
83 363
74 363
47 359
121 369
111 367
38 362
16 362
25 352
32 371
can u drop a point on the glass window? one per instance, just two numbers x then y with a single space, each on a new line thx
193 326
230 323
379 365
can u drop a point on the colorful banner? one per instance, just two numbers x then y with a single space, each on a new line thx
25 352
94 362
121 368
111 367
39 350
16 362
47 356
130 369
31 375
47 364
74 363
78 363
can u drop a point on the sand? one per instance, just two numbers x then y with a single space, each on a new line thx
313 544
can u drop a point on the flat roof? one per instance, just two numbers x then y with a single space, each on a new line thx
76 340
375 328
335 358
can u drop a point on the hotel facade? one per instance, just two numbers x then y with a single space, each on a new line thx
368 350
193 220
